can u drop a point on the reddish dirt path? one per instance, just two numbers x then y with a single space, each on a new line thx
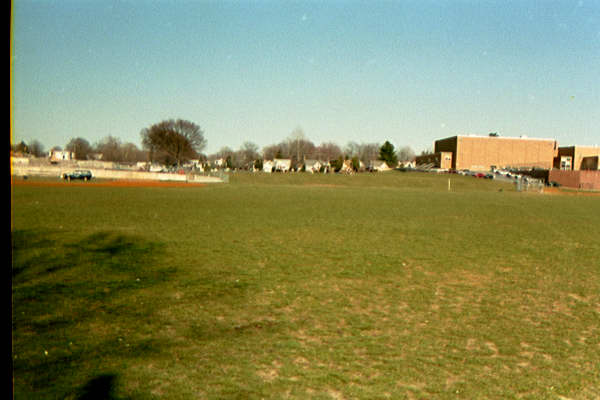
561 192
115 183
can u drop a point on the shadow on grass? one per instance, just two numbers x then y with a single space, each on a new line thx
41 253
78 305
101 387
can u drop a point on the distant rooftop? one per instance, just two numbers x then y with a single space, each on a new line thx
524 137
573 146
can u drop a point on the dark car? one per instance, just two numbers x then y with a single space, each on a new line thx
78 174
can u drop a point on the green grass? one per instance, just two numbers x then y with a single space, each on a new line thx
300 286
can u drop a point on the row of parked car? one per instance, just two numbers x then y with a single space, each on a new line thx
483 175
502 174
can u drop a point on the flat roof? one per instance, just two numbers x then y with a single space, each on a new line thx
498 137
576 146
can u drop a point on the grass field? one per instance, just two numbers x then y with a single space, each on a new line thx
299 286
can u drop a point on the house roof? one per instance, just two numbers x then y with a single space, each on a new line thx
378 162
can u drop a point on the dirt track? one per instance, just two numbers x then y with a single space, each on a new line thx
115 183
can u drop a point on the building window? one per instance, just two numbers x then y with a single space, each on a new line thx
565 163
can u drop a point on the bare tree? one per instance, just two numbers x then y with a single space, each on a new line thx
248 154
273 151
226 154
352 149
80 147
110 148
131 153
36 148
299 145
328 151
405 153
173 141
368 152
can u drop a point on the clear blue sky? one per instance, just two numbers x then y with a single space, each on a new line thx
405 71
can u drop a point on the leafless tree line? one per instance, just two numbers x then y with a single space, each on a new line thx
297 147
109 148
172 142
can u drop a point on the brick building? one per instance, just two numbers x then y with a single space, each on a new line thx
442 160
482 153
577 158
581 179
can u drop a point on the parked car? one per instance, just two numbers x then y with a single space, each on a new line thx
78 174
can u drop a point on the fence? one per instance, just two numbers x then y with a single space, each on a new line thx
208 176
529 185
58 170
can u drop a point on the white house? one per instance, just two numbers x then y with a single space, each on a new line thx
312 166
268 166
196 164
61 155
282 164
378 165
407 164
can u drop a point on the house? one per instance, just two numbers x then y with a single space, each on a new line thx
282 164
195 164
378 165
347 167
407 164
61 155
312 166
268 166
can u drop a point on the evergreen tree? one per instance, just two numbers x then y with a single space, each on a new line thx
387 153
